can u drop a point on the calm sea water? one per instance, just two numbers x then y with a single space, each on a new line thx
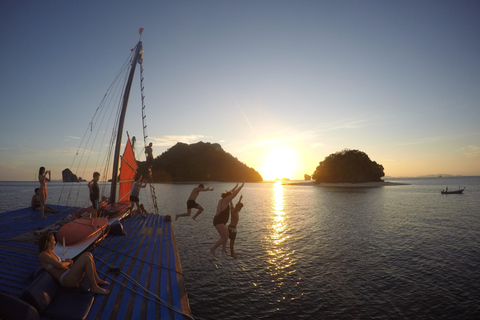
313 252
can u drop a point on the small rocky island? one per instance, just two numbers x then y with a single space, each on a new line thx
202 161
348 166
69 176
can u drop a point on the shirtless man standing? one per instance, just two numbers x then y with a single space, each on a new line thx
191 204
94 193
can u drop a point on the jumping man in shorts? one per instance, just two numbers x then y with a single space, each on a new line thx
191 204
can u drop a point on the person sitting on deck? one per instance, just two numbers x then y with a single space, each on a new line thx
37 203
68 273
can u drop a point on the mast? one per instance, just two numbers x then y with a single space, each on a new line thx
126 94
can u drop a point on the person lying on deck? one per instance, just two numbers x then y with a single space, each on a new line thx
68 273
37 202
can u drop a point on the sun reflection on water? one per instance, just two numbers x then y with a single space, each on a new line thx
278 250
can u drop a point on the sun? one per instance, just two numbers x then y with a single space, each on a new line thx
279 163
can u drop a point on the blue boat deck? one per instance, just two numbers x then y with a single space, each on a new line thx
142 266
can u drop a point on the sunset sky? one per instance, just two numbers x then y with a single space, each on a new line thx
278 84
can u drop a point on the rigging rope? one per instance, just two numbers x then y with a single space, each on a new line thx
135 282
89 145
95 152
145 135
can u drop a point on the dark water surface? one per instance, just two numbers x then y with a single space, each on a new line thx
313 252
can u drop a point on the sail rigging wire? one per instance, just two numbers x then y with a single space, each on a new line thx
99 120
136 283
88 150
145 135
93 142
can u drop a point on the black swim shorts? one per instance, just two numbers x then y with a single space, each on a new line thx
191 204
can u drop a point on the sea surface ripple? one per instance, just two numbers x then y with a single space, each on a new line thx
313 252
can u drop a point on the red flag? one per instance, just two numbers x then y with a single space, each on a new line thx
140 31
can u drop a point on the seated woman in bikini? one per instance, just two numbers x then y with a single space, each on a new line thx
67 273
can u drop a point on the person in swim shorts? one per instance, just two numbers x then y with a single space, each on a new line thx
221 217
232 227
68 273
135 193
94 193
192 204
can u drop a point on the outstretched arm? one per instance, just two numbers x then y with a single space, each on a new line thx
46 259
239 200
234 188
234 193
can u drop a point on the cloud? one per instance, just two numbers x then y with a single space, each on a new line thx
442 138
245 117
471 151
68 138
421 141
351 124
170 140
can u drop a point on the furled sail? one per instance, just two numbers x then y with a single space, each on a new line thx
128 170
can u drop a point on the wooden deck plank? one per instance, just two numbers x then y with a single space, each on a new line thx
165 311
24 220
118 256
135 268
15 270
147 253
153 310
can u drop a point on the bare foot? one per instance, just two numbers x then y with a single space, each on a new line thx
195 219
103 282
212 251
234 255
43 217
100 290
224 251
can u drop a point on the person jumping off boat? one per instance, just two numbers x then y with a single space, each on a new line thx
221 217
192 204
232 227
